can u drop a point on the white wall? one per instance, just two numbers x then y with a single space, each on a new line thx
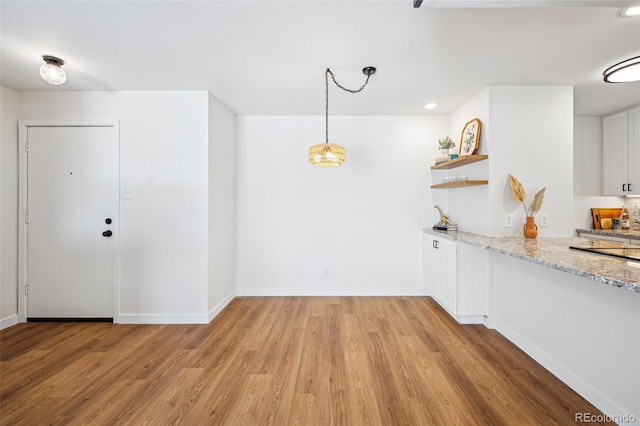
466 203
527 132
222 188
361 219
163 232
9 112
532 139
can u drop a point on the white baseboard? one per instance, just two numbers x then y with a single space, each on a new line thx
470 319
489 322
583 388
220 306
331 292
176 319
162 319
8 321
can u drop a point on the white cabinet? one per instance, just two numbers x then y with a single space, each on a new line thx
621 152
456 276
440 269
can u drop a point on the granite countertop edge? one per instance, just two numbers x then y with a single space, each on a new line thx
541 250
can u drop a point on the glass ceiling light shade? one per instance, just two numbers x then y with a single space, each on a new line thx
331 154
623 72
51 71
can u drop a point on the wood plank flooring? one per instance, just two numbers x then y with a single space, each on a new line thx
280 361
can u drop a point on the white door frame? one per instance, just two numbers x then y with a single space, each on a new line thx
23 127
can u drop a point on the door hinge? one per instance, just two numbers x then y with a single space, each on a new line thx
26 147
26 289
26 219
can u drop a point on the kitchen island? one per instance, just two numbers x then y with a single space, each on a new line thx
576 313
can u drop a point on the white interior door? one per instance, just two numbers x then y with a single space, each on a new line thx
72 208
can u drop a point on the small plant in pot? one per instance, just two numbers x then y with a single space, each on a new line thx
445 145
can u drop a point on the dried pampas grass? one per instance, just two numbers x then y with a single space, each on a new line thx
537 200
517 190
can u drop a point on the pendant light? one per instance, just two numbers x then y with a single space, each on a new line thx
51 71
331 154
623 72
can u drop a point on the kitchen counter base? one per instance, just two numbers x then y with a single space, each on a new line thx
568 310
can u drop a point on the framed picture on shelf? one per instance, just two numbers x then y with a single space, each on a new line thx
470 139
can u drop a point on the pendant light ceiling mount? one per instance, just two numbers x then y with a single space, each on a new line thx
369 71
51 71
331 154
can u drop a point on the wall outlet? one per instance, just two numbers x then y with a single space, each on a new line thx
479 219
508 220
544 220
326 271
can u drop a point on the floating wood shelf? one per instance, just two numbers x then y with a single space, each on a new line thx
460 161
460 184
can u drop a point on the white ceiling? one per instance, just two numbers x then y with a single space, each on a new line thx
269 57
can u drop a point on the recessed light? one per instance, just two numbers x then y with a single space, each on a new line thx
630 11
431 105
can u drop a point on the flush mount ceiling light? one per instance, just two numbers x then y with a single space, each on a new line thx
331 154
623 72
630 11
51 71
431 105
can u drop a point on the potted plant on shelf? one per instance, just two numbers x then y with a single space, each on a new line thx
530 228
445 145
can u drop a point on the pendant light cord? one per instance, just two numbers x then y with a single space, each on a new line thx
328 73
326 105
344 88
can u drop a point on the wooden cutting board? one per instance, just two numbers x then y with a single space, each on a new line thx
600 213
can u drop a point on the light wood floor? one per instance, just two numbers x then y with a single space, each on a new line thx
280 361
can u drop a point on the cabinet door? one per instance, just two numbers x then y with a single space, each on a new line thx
448 275
430 265
633 147
614 153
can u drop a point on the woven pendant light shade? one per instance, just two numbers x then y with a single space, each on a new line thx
326 155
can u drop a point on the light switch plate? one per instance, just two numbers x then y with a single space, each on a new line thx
127 192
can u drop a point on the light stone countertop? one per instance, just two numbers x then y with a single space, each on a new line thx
554 252
635 235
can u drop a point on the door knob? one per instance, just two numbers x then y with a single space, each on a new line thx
107 233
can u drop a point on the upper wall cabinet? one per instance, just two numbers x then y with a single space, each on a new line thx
621 152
